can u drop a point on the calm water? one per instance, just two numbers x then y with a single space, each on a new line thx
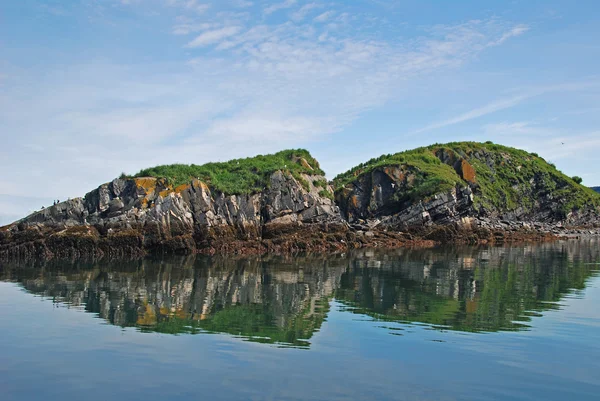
518 323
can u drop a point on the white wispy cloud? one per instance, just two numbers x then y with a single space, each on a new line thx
305 10
279 6
243 3
186 29
214 36
512 101
519 128
324 16
193 5
516 31
477 112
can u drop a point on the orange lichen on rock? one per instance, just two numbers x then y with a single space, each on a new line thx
165 192
148 184
467 171
181 188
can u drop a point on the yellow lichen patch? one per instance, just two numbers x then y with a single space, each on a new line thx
165 192
354 201
181 188
148 317
467 171
148 184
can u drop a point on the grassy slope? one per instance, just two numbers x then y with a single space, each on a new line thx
240 176
503 175
431 175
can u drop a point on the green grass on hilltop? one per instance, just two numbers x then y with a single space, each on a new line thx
432 176
503 175
239 176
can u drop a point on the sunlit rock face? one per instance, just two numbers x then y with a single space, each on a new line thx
131 216
287 300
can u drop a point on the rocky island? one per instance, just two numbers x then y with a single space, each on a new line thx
464 192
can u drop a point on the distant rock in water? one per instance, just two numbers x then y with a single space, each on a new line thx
465 192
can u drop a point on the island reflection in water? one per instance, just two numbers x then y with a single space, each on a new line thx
285 301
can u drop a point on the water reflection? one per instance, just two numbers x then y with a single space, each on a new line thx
286 300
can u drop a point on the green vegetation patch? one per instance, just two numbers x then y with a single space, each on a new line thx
320 183
325 194
431 176
239 176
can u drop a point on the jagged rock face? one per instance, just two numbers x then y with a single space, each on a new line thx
382 194
151 213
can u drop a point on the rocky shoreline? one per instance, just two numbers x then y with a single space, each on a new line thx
63 241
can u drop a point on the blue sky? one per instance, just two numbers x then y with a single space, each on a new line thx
91 88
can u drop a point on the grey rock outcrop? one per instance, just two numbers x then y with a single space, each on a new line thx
379 196
153 214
